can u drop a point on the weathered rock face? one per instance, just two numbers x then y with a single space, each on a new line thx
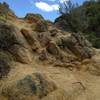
41 26
53 32
13 42
63 47
52 48
21 54
43 38
33 18
77 45
35 86
30 39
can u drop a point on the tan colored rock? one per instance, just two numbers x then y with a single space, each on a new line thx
52 48
30 39
33 18
53 32
76 46
43 55
43 38
21 54
41 26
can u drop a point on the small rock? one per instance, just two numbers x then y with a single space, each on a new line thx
52 48
53 32
33 18
30 39
41 26
43 55
21 54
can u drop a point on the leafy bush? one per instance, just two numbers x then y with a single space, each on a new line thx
84 18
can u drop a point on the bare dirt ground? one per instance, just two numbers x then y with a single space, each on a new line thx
60 76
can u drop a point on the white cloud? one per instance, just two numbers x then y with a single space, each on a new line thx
46 7
62 1
52 0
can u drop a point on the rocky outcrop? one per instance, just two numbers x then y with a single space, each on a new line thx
53 32
43 38
12 41
52 48
21 54
33 18
61 46
78 45
34 44
41 26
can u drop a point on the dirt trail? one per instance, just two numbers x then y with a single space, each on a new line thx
62 77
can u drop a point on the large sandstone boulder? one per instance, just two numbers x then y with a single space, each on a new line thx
12 40
43 38
77 45
21 54
53 32
30 38
32 87
41 26
33 18
52 48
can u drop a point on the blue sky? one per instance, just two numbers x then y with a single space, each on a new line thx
47 8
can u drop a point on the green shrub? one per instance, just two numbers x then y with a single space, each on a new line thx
84 18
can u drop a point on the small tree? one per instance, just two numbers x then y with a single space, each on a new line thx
74 16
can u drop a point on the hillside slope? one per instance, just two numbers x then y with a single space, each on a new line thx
40 62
